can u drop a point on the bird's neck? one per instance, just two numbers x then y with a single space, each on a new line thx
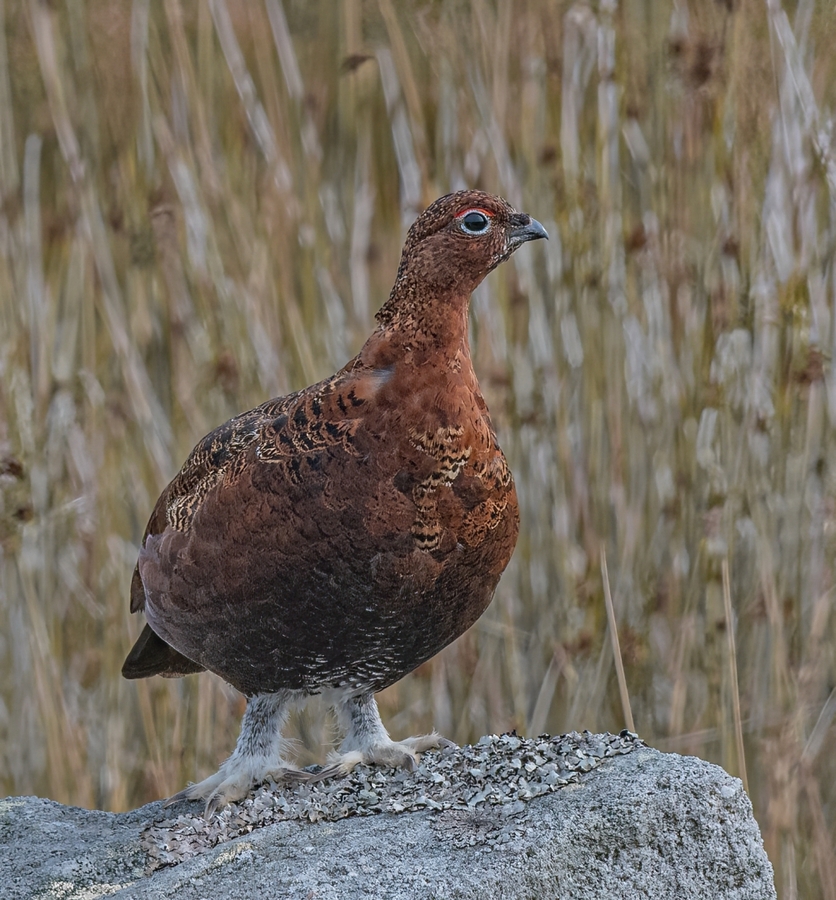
421 318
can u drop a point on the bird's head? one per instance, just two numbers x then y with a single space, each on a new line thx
460 238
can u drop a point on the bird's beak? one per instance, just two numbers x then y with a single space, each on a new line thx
529 230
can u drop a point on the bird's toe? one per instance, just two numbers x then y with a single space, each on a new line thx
392 754
198 791
231 784
422 742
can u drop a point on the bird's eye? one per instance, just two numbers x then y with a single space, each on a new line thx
474 222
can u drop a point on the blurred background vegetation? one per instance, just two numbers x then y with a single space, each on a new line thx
202 206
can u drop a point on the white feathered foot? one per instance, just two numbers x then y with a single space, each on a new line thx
259 752
367 741
258 756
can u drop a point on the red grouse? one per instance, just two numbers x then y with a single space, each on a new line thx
331 541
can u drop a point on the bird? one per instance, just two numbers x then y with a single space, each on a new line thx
332 540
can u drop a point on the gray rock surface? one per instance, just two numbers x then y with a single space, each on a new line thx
639 825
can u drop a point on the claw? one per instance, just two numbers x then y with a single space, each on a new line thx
176 798
326 772
292 776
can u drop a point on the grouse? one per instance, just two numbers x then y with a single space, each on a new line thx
330 541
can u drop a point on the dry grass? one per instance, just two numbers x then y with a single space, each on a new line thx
202 206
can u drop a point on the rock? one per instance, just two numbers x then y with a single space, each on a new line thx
639 824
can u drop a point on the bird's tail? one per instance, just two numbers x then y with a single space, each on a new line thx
151 655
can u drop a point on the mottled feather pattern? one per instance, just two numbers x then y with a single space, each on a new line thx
280 431
344 534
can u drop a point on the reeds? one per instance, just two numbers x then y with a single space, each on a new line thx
202 205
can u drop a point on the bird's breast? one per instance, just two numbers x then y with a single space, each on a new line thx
448 464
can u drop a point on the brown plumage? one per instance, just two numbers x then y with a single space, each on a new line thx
332 540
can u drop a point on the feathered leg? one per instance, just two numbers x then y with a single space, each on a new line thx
258 755
367 741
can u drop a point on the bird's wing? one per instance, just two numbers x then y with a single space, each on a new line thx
284 448
207 465
210 464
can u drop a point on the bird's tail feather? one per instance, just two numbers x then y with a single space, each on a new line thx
151 655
